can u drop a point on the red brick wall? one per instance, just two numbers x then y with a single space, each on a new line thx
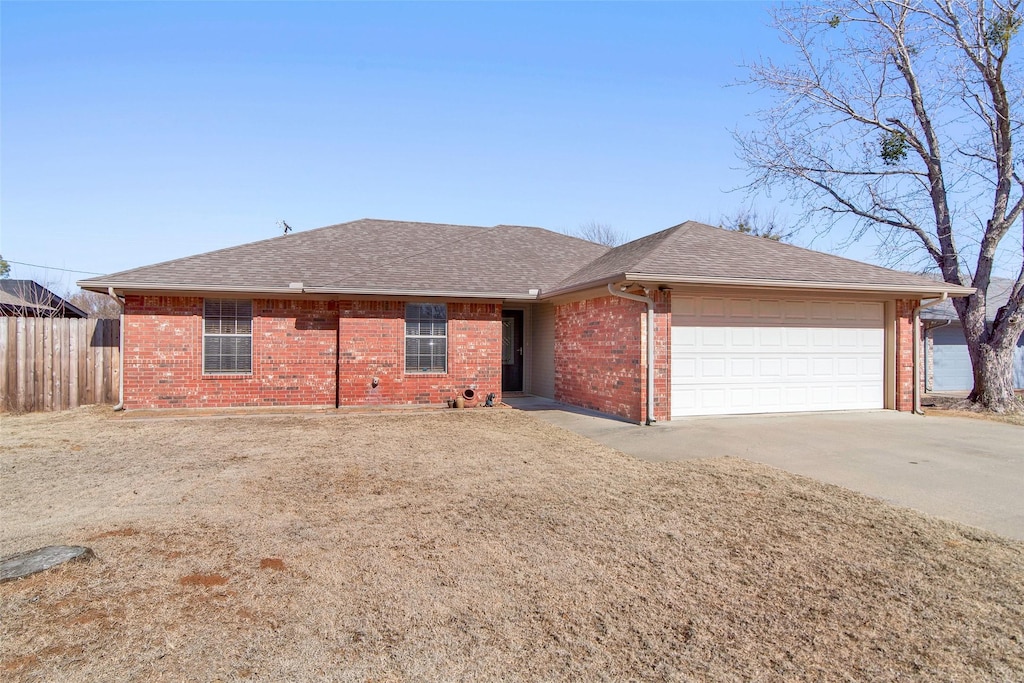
662 356
905 354
373 345
601 357
295 359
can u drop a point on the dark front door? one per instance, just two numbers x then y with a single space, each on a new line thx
511 351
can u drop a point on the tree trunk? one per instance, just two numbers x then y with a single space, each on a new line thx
993 377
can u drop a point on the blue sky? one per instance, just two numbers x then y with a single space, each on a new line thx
133 133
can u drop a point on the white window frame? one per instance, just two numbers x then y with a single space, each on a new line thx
414 319
207 303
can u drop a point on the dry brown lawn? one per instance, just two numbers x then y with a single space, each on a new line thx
955 406
471 545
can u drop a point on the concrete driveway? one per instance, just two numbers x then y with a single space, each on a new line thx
970 471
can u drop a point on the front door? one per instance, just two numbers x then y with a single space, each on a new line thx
511 351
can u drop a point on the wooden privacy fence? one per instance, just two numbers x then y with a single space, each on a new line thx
58 363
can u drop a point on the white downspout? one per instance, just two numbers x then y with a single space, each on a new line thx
120 353
650 345
917 350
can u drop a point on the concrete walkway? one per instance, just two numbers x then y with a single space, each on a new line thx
970 471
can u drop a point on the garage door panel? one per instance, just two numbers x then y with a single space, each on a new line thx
712 337
684 369
712 307
848 338
686 398
713 399
743 337
871 339
741 397
742 308
769 367
848 367
796 397
742 368
822 310
847 394
871 370
797 337
795 310
872 313
769 311
769 337
823 338
750 355
684 306
821 397
683 337
713 368
798 367
770 394
868 395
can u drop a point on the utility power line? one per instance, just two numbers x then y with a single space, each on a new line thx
67 270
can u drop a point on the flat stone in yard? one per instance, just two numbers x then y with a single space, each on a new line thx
34 561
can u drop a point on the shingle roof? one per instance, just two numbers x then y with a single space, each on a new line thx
375 255
998 294
20 297
506 261
698 253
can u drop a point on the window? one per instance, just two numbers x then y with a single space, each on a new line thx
426 338
227 336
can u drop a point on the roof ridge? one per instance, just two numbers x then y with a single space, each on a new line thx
553 232
405 258
450 225
654 238
675 231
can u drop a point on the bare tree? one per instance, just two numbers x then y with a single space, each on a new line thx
901 117
602 233
750 222
95 304
28 298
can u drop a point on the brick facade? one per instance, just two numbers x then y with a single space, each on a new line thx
601 356
905 354
322 353
295 355
373 345
662 356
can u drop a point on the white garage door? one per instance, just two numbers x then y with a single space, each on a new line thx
739 355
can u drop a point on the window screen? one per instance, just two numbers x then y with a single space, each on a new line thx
426 338
227 336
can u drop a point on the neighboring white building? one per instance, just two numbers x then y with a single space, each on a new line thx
946 360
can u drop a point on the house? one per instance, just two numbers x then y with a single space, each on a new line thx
377 312
947 365
29 299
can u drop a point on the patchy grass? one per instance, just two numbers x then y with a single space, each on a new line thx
471 545
954 406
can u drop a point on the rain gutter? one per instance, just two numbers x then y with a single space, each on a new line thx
662 278
92 285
